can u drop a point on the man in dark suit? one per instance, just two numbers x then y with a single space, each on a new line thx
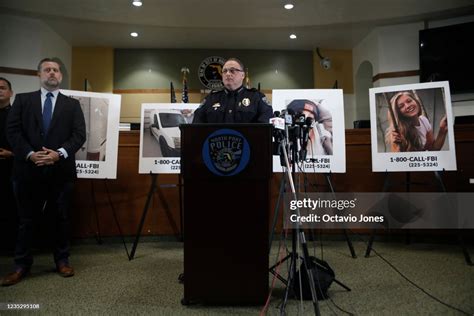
45 129
7 202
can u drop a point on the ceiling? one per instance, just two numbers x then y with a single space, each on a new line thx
228 24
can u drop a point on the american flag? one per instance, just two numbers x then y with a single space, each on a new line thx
247 78
185 97
173 93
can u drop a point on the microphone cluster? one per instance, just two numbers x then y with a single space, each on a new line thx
297 128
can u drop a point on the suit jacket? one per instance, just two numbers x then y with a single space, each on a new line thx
25 133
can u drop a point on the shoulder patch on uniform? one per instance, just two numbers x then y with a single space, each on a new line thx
264 99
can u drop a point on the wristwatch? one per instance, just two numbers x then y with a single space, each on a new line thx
61 155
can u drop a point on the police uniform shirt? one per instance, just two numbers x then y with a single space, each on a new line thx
240 106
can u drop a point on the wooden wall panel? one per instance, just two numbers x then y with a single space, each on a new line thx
129 191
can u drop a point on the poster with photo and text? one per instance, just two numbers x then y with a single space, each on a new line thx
317 116
412 128
160 136
97 158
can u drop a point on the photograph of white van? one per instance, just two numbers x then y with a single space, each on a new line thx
164 126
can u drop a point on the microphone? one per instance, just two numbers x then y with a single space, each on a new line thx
305 138
306 128
278 122
300 119
289 116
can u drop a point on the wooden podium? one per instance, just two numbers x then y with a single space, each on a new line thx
226 171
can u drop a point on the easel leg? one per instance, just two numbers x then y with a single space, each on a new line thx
386 186
467 257
346 235
349 244
369 246
145 210
98 237
442 187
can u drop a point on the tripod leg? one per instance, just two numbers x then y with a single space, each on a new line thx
289 284
276 212
272 269
342 285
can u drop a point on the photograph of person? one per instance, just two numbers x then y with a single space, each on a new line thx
415 121
320 120
101 115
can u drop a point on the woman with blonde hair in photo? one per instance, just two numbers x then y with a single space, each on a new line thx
409 128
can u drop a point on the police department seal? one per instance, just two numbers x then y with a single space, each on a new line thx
226 152
210 72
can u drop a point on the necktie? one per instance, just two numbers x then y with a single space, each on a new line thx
47 112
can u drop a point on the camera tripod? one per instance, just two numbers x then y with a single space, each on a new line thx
298 235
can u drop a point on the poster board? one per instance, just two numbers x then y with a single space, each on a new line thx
412 128
326 150
160 136
97 158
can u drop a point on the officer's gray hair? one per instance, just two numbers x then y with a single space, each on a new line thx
241 64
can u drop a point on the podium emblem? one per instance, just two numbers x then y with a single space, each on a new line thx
226 152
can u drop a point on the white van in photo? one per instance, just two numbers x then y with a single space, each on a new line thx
164 126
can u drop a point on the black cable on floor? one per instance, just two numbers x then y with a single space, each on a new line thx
410 281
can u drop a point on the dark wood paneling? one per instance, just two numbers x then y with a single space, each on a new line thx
128 192
19 71
395 74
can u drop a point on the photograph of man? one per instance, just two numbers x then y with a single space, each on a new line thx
45 129
235 103
409 128
320 122
8 212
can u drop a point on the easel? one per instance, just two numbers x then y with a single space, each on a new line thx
151 192
408 183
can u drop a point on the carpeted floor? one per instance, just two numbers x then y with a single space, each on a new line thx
107 283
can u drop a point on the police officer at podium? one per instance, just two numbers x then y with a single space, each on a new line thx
235 103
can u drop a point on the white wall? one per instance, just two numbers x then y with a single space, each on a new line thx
25 41
398 47
395 48
349 110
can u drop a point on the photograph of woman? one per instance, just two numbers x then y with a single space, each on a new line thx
409 127
320 120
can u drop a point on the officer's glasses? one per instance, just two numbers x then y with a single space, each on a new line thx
232 70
